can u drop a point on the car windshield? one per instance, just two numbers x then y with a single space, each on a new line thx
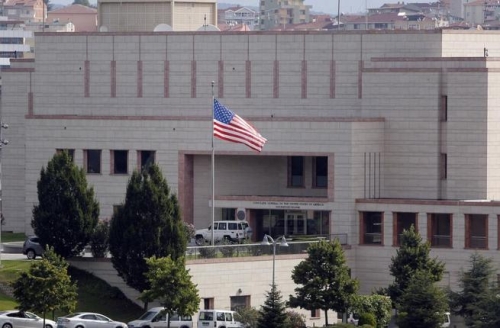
148 315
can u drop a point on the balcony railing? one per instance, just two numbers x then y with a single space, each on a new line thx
478 242
226 250
441 241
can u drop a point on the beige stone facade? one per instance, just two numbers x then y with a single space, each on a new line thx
368 132
145 16
83 18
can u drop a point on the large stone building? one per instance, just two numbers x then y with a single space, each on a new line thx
368 132
280 13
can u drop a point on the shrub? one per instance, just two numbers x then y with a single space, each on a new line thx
367 319
99 241
367 326
225 248
207 252
343 325
190 231
247 316
295 320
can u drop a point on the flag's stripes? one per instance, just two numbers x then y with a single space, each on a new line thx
235 129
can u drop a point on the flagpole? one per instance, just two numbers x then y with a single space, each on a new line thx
213 167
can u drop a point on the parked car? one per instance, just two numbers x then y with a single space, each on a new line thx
217 318
32 247
157 318
18 319
234 231
88 320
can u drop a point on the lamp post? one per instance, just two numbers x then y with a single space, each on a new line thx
268 240
2 142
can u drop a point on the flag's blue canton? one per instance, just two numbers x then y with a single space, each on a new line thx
222 114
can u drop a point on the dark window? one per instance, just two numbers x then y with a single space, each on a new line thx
208 303
440 230
296 171
476 227
371 225
444 166
320 174
315 313
238 302
93 161
120 161
403 222
147 158
444 108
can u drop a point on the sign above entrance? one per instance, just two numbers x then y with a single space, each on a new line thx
267 204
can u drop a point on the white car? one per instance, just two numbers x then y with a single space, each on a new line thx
18 319
88 320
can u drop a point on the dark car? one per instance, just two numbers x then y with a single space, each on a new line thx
32 247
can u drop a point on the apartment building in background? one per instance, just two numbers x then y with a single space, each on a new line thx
82 17
162 15
280 13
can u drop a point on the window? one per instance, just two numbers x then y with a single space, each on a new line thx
320 172
444 166
119 161
92 160
439 230
208 303
444 108
476 227
146 158
228 214
238 302
296 171
403 221
371 228
71 153
315 313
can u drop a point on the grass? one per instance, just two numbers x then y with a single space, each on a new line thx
94 294
8 237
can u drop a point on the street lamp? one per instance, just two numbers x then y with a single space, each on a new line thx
268 240
2 142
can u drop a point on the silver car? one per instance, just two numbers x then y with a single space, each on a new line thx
88 320
32 247
18 319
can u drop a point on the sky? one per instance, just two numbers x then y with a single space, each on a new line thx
326 6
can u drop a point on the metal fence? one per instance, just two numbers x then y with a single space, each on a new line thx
227 250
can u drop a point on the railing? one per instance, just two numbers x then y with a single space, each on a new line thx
227 250
477 242
441 241
372 238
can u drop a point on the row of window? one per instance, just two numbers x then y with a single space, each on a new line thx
119 165
296 171
118 160
439 229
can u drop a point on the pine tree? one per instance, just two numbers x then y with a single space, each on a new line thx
148 224
475 288
67 211
422 303
325 279
273 313
413 255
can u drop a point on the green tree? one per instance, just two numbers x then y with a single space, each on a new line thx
82 2
273 313
295 320
67 210
148 224
171 286
487 314
475 287
422 303
325 280
413 255
378 305
249 317
99 242
46 286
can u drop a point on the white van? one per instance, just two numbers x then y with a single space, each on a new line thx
157 318
235 231
217 319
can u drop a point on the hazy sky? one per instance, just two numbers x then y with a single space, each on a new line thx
327 6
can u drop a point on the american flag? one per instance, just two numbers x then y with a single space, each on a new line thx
230 127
